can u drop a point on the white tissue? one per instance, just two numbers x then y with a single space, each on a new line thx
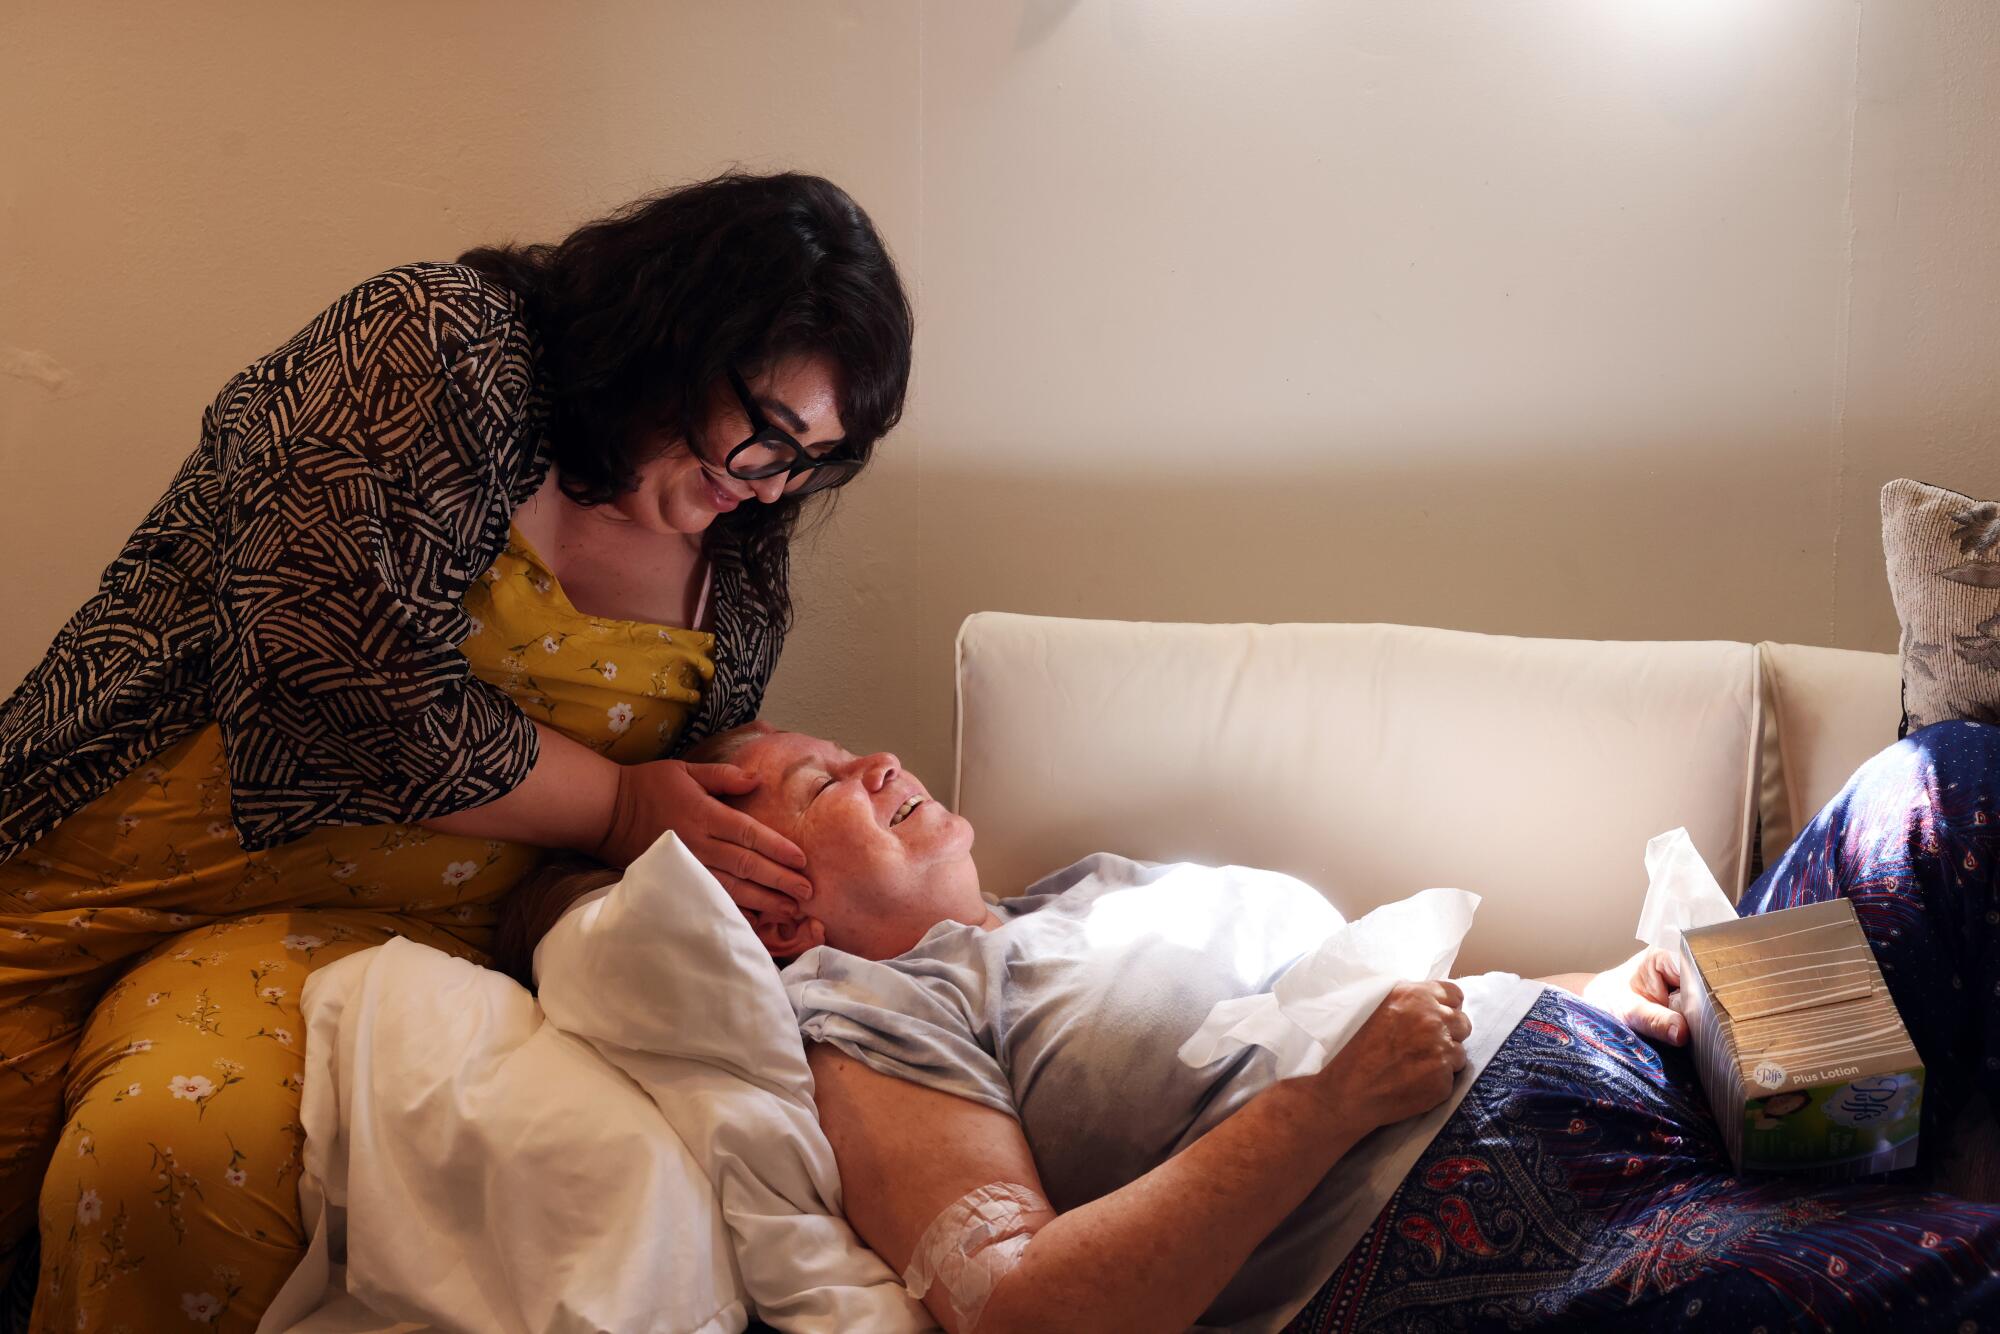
1328 994
1680 892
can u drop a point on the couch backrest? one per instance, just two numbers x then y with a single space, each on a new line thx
1370 760
1825 711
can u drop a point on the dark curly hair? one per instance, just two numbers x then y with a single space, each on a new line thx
641 313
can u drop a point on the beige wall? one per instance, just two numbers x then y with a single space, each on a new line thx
1557 317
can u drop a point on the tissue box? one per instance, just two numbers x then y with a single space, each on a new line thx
1801 1051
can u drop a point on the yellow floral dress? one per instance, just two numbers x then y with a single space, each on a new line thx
150 971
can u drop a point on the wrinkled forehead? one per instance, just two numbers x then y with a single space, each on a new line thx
792 765
781 752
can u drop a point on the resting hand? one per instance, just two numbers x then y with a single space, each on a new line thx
1402 1060
1641 992
757 866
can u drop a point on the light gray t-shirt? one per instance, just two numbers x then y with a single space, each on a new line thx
1069 1016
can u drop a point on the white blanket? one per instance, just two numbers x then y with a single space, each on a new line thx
477 1162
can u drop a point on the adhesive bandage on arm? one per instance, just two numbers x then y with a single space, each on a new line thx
972 1244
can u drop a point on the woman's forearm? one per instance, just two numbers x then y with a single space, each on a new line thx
568 800
1155 1254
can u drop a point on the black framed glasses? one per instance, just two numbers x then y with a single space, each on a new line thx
771 451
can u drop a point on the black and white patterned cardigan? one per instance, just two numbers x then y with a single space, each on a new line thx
299 584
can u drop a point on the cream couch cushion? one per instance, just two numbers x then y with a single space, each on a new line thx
1371 761
1826 710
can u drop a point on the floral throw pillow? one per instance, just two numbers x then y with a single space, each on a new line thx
1943 551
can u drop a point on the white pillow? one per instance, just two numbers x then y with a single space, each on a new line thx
663 976
476 1169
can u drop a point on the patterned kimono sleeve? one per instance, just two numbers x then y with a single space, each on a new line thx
368 471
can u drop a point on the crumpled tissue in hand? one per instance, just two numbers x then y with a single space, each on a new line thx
1681 894
1325 997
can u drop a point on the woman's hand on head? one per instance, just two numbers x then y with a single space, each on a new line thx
1401 1062
757 866
1641 992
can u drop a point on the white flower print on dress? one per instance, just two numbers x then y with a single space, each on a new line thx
156 997
459 872
619 716
478 626
191 1087
283 1035
202 1307
342 870
85 1145
178 919
219 829
130 1091
549 644
302 942
270 995
236 1176
88 1208
127 823
542 584
610 670
138 1045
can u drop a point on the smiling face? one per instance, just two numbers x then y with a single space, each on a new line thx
887 862
675 494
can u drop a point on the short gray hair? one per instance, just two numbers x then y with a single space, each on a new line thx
724 747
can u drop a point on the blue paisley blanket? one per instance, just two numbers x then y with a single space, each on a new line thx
1582 1183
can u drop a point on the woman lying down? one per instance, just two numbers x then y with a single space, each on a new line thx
1016 1134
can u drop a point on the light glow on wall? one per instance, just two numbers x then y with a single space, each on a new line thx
1696 20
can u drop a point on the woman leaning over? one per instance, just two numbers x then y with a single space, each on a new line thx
449 574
